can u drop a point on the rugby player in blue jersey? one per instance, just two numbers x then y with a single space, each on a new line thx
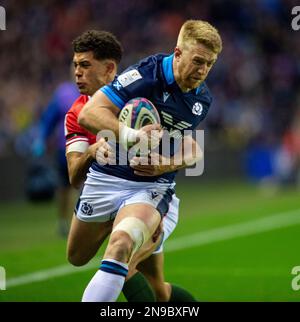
96 56
138 196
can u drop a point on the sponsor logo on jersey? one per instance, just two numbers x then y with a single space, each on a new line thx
129 77
197 108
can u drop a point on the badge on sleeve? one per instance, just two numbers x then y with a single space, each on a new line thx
129 77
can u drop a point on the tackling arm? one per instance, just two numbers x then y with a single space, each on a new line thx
78 165
99 113
81 148
79 162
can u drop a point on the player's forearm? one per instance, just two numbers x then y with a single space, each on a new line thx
189 154
98 119
99 114
175 164
78 166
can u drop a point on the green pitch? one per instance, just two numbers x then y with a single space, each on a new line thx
233 242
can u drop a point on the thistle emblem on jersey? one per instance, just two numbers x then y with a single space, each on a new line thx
87 209
197 108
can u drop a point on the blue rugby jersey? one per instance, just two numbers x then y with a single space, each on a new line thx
153 79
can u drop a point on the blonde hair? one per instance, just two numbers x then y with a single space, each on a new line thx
199 31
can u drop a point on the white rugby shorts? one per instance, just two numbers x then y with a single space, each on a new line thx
104 195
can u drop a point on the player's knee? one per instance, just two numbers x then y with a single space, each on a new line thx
134 233
120 246
76 258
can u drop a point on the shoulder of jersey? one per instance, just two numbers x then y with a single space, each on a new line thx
148 65
149 60
144 70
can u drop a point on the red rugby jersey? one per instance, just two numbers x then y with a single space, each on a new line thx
78 139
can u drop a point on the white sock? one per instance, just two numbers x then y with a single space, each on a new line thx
106 285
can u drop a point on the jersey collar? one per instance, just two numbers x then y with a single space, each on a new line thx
167 67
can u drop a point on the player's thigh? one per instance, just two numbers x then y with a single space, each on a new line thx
133 227
145 212
85 238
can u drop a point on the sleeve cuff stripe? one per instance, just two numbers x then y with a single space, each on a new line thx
113 96
78 139
79 146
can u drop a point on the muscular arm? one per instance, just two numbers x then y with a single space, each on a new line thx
78 165
79 162
189 153
100 113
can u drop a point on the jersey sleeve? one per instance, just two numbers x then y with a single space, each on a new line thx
136 81
76 137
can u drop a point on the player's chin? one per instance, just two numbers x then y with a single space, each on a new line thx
83 91
196 83
82 88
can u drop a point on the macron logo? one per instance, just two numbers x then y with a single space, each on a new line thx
165 96
154 194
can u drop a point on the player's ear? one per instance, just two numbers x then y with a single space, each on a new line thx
111 70
111 66
177 52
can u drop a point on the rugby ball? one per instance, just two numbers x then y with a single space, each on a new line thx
139 112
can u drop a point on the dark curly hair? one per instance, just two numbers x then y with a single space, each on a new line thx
103 44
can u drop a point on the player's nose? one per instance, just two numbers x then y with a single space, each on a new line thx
202 70
78 72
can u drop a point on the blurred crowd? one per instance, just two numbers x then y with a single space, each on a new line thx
255 83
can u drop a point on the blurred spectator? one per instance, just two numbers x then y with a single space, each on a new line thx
254 84
51 125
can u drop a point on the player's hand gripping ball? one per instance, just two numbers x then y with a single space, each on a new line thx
138 113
